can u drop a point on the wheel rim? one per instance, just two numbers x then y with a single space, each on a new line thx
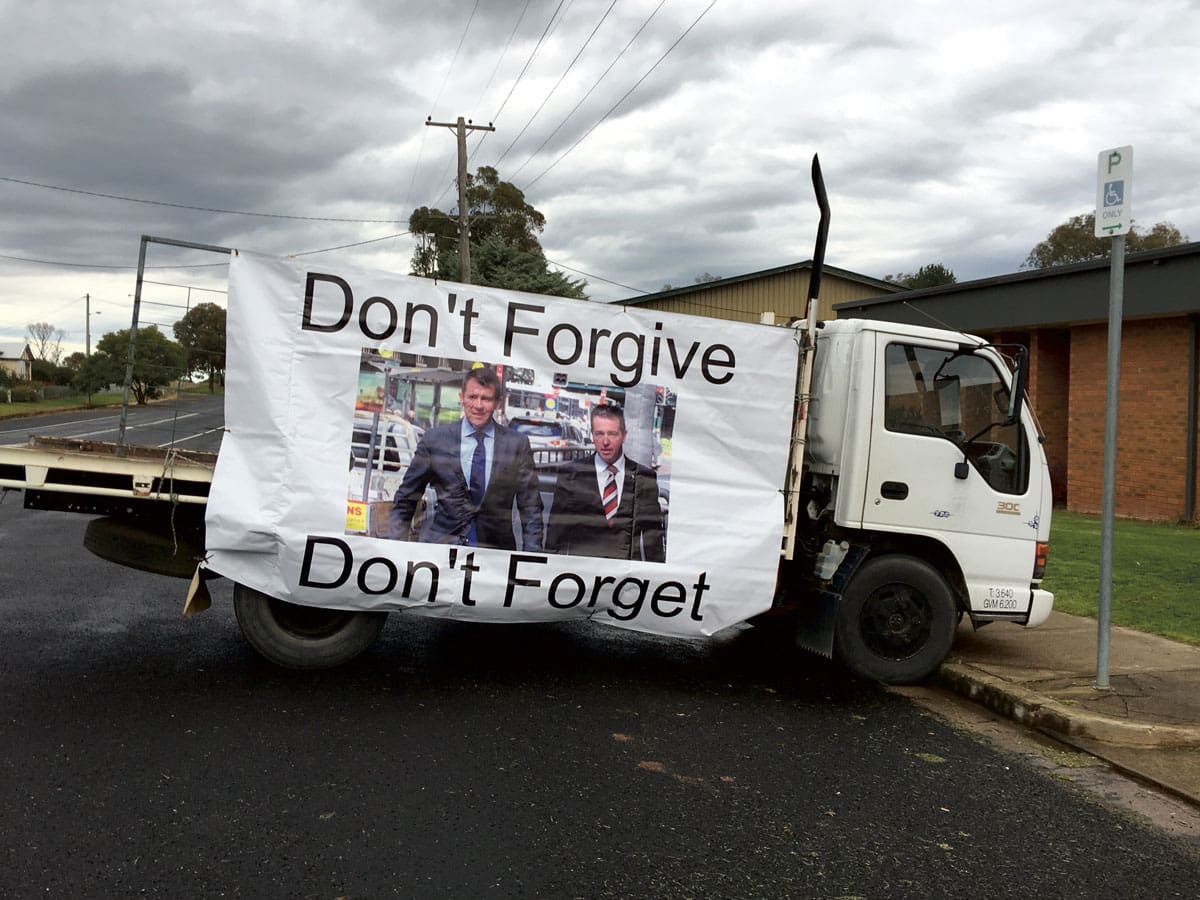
308 621
896 621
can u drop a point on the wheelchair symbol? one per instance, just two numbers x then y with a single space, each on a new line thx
1114 193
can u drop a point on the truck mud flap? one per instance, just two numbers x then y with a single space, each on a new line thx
817 620
815 624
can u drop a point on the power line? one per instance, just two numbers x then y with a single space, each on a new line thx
228 212
78 265
75 265
386 237
597 277
595 85
457 50
421 148
625 96
566 71
508 96
525 68
500 58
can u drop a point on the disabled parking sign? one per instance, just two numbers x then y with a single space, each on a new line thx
1114 180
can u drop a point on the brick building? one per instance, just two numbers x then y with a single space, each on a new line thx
1061 314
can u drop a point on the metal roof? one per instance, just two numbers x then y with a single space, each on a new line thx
1157 283
765 273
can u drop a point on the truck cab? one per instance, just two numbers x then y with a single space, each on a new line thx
925 495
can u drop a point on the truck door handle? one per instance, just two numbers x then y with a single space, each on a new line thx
894 490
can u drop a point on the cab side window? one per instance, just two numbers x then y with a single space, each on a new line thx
956 397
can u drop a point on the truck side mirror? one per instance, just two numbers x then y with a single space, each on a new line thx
1020 381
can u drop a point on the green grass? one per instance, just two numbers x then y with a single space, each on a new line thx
200 387
16 410
1155 576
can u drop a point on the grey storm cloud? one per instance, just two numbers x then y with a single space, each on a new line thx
949 133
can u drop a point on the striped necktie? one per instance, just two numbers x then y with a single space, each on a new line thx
609 495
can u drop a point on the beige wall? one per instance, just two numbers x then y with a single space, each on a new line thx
18 367
784 294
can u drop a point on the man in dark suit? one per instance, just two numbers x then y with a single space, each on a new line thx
478 468
607 505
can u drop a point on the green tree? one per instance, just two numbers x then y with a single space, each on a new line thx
201 333
97 372
42 370
930 275
498 208
499 264
1075 241
47 372
74 361
499 218
157 362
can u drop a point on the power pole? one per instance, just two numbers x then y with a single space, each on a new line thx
461 127
87 323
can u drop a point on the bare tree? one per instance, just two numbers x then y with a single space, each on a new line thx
46 341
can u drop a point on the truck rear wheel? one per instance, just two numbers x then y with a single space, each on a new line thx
897 620
303 637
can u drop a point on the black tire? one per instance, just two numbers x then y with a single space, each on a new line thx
303 637
897 620
148 546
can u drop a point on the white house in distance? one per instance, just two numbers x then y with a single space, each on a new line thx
17 359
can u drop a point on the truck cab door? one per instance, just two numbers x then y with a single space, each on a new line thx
933 405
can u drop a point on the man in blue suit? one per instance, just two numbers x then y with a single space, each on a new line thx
478 468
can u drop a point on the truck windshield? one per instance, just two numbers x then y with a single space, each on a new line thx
956 396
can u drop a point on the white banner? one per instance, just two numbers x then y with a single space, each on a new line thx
349 474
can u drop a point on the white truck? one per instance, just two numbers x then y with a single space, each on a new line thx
916 493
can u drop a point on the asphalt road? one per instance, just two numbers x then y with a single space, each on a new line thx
145 754
190 421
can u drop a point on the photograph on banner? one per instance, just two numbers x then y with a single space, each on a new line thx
462 452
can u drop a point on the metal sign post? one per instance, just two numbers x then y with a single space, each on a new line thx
1113 219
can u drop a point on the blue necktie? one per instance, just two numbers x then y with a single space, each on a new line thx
478 480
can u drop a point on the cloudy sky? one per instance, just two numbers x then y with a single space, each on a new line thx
661 140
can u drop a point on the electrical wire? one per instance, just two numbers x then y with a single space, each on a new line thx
483 136
595 85
424 134
386 237
457 50
624 96
228 212
500 58
566 71
597 277
528 61
75 265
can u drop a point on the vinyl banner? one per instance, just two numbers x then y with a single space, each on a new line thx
399 443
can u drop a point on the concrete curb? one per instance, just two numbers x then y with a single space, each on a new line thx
1058 719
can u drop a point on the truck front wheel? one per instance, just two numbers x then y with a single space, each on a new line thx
896 621
303 637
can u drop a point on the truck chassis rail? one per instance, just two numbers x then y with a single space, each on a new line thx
97 475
